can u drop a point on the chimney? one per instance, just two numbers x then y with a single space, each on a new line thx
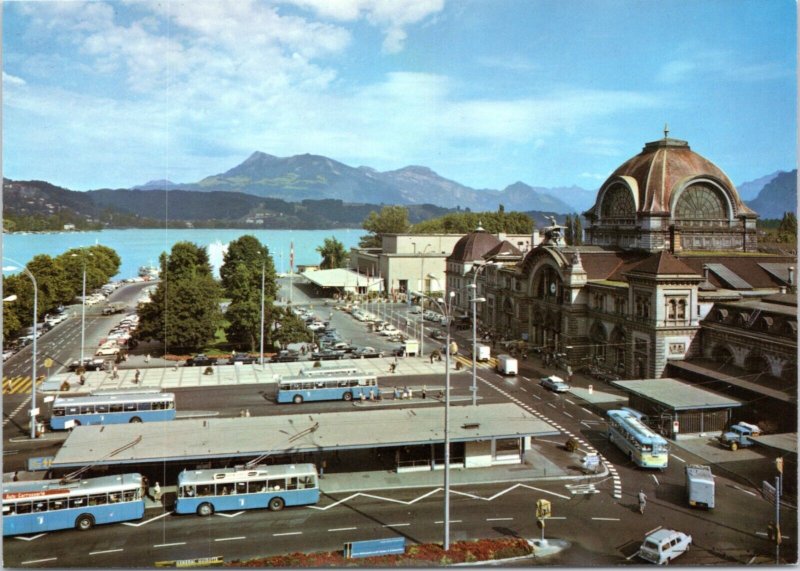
791 276
705 271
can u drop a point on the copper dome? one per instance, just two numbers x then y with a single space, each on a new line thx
473 246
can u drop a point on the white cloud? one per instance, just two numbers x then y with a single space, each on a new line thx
9 79
718 64
593 176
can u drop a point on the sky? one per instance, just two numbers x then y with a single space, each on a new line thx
484 92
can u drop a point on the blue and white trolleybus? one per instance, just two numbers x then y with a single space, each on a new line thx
226 489
48 505
112 407
644 447
335 387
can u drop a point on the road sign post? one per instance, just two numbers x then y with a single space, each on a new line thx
543 511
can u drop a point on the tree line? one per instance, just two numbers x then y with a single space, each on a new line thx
59 280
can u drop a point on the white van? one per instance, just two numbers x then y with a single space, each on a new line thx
664 545
507 365
483 352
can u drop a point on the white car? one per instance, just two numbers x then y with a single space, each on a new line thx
6 354
107 350
316 326
554 383
664 545
389 330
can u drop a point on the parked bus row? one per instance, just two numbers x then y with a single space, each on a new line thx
50 505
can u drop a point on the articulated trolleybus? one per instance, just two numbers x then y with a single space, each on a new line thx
643 446
205 491
48 505
334 387
112 407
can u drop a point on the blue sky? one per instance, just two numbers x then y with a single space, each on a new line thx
552 93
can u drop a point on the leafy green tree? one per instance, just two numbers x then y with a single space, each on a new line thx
102 263
787 230
52 281
333 254
465 222
11 323
288 328
568 230
577 232
184 309
241 274
390 220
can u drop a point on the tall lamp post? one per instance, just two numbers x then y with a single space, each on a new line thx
474 301
35 333
422 289
263 268
83 305
446 306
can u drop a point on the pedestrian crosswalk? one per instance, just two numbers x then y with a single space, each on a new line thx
467 362
17 385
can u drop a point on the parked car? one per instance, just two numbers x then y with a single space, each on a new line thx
107 350
554 383
201 360
438 334
88 364
738 436
366 353
6 354
286 356
316 326
664 545
242 358
326 355
389 330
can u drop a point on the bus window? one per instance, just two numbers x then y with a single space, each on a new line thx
98 500
205 490
9 509
241 487
353 382
115 407
128 495
101 408
169 405
145 405
256 486
308 385
39 507
24 507
78 502
320 384
223 489
343 383
291 483
305 482
57 504
87 409
130 407
58 411
187 491
72 410
276 485
114 498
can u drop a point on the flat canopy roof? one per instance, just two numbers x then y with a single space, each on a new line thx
676 395
786 442
198 439
340 277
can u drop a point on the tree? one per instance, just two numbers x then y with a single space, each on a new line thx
390 220
184 310
333 254
465 222
568 230
577 232
787 230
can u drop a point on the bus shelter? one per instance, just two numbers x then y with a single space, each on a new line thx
400 439
674 407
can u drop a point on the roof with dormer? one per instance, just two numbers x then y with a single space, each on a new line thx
663 263
504 249
473 246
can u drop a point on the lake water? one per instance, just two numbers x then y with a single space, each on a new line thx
143 247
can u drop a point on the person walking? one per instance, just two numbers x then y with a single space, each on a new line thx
642 501
136 376
147 359
114 372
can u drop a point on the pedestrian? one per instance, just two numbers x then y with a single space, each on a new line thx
392 367
16 477
147 359
82 379
136 376
114 372
146 486
642 501
247 413
157 492
424 391
322 469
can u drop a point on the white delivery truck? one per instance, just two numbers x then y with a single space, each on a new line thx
411 347
506 365
483 352
700 486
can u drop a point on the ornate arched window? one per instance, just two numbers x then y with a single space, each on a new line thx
700 202
618 203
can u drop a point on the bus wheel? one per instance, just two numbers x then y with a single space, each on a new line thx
276 504
348 396
205 509
84 522
135 419
297 399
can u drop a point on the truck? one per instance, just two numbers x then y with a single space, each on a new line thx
700 486
483 352
739 435
507 365
114 307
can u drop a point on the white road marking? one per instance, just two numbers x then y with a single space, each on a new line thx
537 396
605 518
654 530
397 525
632 556
568 414
745 491
106 551
230 515
343 529
451 521
499 519
523 390
551 404
39 560
287 533
678 458
145 522
230 538
656 479
170 544
557 517
30 538
569 401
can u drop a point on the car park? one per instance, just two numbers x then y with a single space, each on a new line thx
286 356
316 326
201 360
243 358
327 355
366 353
664 545
554 383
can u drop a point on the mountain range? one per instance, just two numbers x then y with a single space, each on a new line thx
315 177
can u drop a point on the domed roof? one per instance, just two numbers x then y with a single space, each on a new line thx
473 246
664 168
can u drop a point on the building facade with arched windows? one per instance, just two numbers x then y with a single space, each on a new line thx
667 240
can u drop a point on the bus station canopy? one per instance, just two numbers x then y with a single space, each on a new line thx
204 439
676 395
342 278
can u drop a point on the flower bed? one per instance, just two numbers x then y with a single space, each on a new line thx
424 555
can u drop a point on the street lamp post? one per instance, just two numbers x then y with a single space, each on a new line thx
83 306
475 301
35 333
422 289
263 264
